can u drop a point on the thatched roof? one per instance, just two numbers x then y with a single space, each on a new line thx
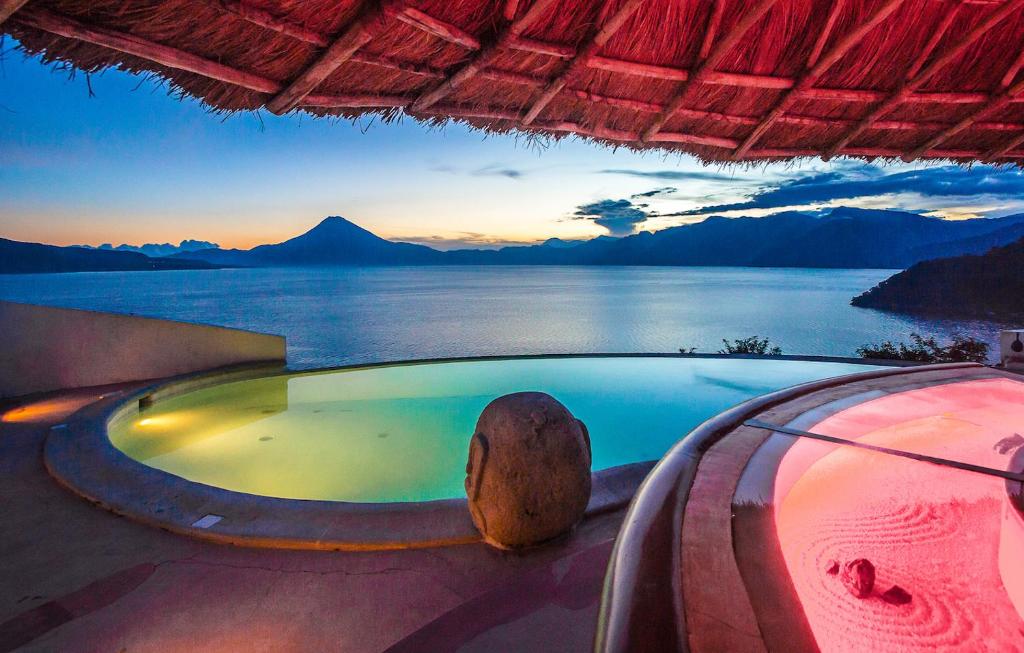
726 80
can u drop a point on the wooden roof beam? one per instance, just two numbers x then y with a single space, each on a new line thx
269 21
933 41
718 52
483 57
1001 151
714 22
906 89
439 28
811 76
541 47
999 101
8 7
1008 78
393 64
360 32
509 10
826 32
582 58
164 55
867 152
1011 72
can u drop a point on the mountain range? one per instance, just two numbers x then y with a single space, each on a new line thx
841 238
22 258
157 249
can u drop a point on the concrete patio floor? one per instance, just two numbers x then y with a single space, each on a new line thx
78 578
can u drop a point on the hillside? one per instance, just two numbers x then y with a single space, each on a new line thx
990 285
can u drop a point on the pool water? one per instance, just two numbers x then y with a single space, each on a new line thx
401 433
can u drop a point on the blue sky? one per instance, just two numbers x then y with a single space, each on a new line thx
133 164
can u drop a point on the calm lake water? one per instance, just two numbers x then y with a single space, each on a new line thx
334 316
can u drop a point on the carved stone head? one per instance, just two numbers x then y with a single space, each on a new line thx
528 475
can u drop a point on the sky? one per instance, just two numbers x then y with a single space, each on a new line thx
115 158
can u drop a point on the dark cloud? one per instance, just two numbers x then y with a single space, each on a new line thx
667 190
493 170
869 181
671 175
619 217
498 171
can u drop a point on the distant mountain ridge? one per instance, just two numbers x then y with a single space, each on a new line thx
844 238
25 258
157 249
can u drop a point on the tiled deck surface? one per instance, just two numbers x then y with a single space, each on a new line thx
77 578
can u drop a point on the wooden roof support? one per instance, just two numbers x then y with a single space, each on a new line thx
933 42
1011 72
269 21
582 58
368 25
164 55
1001 151
439 28
541 47
1008 78
463 112
393 64
483 57
999 101
510 9
826 32
8 7
907 88
714 21
718 52
638 69
811 76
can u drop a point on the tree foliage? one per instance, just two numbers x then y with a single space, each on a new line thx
927 350
751 345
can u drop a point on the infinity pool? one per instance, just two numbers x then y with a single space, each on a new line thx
400 433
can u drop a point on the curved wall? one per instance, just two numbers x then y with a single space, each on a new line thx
46 348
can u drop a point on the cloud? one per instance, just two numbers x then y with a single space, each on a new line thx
619 217
866 181
498 171
493 170
671 175
666 190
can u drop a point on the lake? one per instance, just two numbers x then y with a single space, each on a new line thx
335 316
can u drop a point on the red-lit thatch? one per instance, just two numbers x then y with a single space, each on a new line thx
727 80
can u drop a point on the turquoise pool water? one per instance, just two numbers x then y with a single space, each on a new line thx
401 433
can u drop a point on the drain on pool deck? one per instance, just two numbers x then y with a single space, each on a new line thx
528 475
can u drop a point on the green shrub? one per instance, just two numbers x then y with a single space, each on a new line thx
928 350
751 345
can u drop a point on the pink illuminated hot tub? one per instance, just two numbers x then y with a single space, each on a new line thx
951 538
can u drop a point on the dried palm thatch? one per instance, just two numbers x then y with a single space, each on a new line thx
725 80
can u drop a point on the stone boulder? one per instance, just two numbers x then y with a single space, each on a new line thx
859 577
528 475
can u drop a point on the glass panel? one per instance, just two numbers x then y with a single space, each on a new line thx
980 422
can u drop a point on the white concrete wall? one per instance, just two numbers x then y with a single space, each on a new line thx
44 348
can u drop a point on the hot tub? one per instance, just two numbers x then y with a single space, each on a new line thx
374 456
401 433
